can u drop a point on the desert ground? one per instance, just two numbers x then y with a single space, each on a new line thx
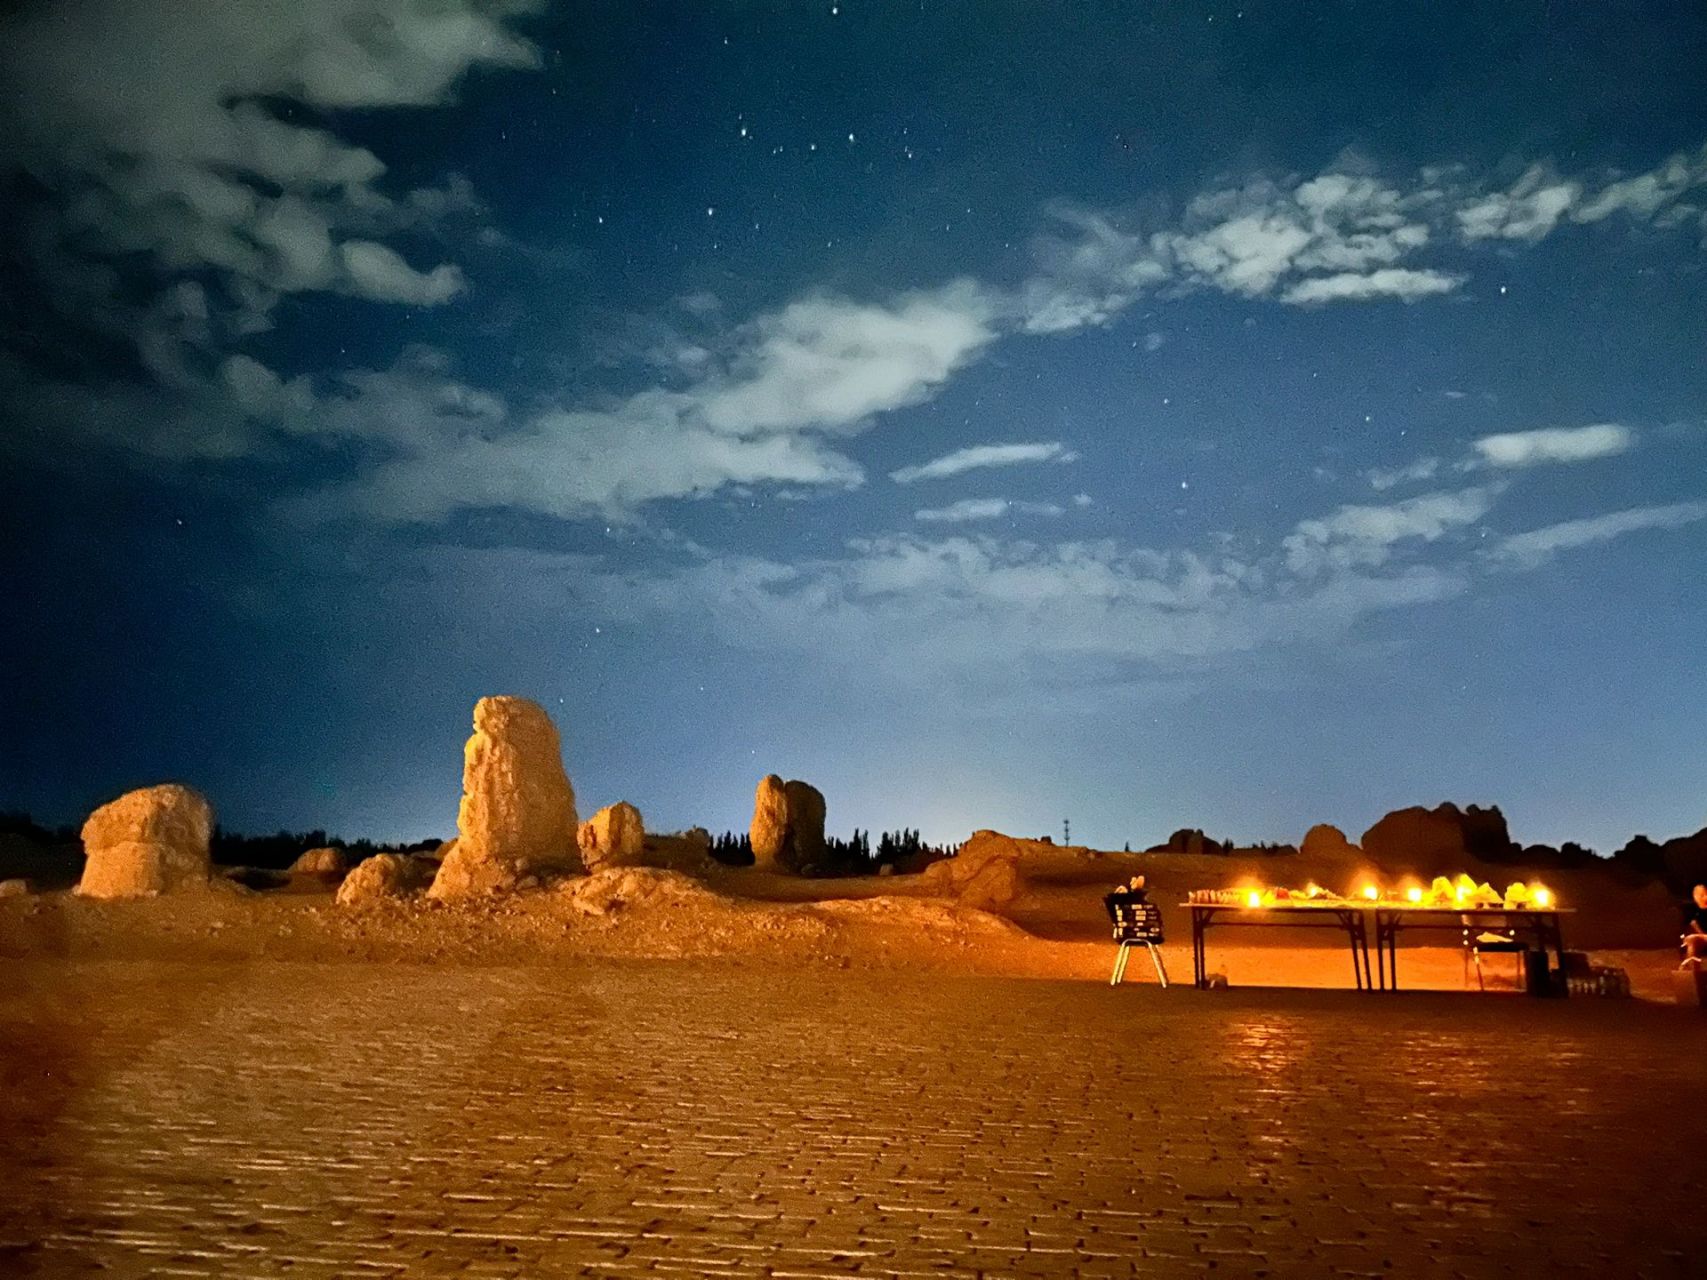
738 1072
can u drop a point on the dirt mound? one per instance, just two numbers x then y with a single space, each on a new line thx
385 877
917 915
688 853
147 842
618 888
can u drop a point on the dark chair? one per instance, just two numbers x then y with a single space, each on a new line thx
1503 944
1136 921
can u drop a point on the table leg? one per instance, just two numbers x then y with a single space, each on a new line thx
1348 922
1393 954
1199 961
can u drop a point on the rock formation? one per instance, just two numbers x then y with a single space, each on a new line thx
14 888
985 873
788 825
1189 840
147 842
327 863
1326 841
613 837
1433 841
385 877
517 817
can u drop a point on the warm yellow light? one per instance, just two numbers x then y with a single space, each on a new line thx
1541 897
1414 893
1253 899
1371 892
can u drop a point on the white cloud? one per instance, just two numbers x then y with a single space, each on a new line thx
1553 444
977 456
1389 282
828 362
969 509
380 273
1366 536
762 415
152 129
1529 210
1340 236
1421 469
1536 547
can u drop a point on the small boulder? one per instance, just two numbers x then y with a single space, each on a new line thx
14 888
517 816
385 877
615 836
327 863
147 842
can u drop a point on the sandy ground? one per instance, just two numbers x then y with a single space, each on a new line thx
576 1116
1057 929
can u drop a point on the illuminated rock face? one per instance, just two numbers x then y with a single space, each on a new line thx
613 837
788 824
321 862
385 877
147 842
517 816
1326 841
984 874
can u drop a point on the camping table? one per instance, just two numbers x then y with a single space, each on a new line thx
1299 914
1540 923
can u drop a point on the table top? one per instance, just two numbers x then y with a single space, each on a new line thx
1358 904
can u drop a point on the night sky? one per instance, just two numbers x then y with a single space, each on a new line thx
1236 416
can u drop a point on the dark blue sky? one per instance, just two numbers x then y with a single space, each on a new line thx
1227 416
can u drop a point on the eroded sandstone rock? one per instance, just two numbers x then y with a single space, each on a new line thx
385 877
1327 841
327 863
615 836
788 824
984 874
147 842
517 817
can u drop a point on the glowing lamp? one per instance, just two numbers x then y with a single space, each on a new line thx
1371 892
1253 899
1541 897
1414 893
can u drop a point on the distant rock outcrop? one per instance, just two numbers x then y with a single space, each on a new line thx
1439 840
984 874
1190 840
517 817
1680 862
327 863
1326 841
385 877
615 836
788 825
147 842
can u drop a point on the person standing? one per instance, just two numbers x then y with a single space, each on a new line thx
1695 927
